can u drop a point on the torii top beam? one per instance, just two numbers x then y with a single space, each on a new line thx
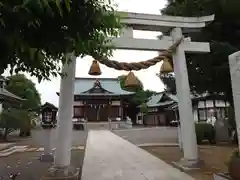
150 22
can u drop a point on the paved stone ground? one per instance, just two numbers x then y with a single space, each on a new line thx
109 157
149 135
29 166
136 136
37 138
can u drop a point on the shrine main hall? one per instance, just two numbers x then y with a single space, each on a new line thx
98 99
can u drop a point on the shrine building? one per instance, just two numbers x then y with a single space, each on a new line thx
96 100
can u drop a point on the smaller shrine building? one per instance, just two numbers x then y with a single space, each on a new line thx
162 110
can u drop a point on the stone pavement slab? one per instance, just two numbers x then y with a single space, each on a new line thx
22 149
4 146
109 157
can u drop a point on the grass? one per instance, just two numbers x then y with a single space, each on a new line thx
215 159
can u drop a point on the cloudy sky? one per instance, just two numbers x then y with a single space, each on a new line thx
48 89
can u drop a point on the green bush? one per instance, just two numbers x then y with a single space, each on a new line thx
205 131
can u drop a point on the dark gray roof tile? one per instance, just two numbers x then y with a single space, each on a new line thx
110 84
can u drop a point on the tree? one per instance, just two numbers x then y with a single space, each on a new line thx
143 108
210 72
23 87
140 96
169 82
35 35
12 119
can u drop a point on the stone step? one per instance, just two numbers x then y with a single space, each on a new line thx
18 149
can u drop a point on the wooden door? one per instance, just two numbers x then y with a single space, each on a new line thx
103 114
91 114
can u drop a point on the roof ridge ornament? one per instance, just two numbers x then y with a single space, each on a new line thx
97 84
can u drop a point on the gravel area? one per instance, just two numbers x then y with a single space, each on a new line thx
215 159
29 166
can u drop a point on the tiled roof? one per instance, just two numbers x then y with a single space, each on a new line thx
111 85
155 100
6 95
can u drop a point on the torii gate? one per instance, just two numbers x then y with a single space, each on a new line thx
234 65
136 21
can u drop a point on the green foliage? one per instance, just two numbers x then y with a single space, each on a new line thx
23 87
235 154
143 108
205 131
12 119
141 96
210 72
169 82
35 35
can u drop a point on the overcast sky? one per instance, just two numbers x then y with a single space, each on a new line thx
48 89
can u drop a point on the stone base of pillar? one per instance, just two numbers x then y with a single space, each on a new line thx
47 158
62 173
189 164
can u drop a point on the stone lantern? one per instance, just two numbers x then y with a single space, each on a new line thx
48 113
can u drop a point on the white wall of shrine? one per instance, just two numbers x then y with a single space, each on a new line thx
77 103
116 103
206 109
209 104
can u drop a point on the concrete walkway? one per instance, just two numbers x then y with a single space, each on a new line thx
109 157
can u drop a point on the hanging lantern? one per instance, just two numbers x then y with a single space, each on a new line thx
166 67
131 81
95 69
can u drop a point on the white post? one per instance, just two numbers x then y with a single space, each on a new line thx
64 124
1 107
127 32
47 154
110 124
185 104
179 130
234 65
47 147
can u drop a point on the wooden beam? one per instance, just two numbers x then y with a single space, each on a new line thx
158 45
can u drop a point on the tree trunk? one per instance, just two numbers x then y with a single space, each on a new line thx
5 134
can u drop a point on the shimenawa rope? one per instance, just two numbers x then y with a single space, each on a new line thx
136 66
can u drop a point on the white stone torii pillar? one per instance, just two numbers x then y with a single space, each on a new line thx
176 26
234 65
148 22
65 114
